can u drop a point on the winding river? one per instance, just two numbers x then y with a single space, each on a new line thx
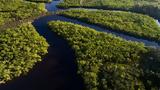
58 69
51 7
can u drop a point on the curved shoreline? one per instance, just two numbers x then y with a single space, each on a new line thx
123 35
158 22
58 69
108 8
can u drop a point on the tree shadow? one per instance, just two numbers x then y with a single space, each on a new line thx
150 66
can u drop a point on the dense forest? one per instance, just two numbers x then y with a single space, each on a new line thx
20 45
12 10
107 62
150 7
135 24
20 49
29 33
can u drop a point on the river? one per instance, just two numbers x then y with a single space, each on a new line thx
58 70
52 8
158 22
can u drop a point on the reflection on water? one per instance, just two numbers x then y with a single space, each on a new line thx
158 22
51 7
149 43
58 70
127 37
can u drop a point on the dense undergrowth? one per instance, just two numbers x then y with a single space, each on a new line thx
150 7
20 49
107 62
20 46
45 1
11 10
130 23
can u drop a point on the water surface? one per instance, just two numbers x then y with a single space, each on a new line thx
58 70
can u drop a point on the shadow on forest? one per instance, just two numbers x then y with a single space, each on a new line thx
150 67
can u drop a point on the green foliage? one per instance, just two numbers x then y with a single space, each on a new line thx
9 5
45 1
20 49
28 9
130 23
12 10
107 62
150 7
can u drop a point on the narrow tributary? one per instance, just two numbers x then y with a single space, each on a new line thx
58 70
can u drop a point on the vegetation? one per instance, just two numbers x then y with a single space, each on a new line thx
9 5
45 1
150 7
12 10
20 49
130 23
107 62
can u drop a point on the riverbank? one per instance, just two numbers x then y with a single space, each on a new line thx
136 25
15 23
58 70
102 57
150 8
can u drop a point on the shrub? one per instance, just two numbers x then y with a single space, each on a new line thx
149 7
20 49
107 62
129 23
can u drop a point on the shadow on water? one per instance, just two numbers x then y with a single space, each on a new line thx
119 34
58 70
52 6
